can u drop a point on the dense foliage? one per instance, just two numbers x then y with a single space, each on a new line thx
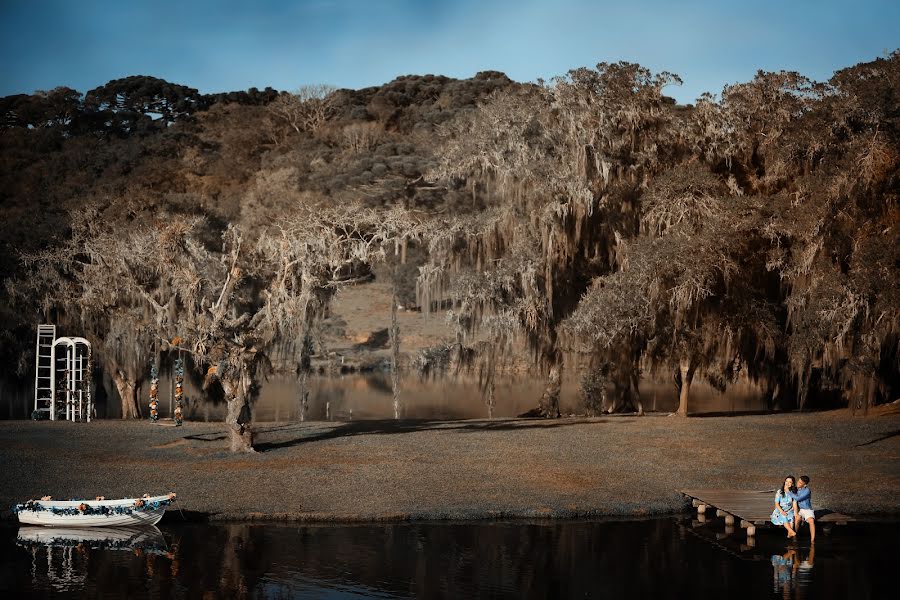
752 234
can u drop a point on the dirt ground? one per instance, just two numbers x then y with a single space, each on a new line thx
360 311
472 469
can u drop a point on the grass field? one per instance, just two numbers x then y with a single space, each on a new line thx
376 470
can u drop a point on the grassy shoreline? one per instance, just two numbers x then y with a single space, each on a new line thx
369 471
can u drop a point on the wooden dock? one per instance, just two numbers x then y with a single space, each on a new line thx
750 509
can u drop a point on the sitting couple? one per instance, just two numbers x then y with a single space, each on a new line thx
793 504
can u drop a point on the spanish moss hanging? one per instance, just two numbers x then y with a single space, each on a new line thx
154 394
179 390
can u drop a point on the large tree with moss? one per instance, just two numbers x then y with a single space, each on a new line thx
553 172
236 303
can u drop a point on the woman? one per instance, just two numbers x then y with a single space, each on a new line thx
786 506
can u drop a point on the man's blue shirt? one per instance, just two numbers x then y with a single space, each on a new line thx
803 498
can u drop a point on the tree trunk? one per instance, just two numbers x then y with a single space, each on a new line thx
636 393
303 367
127 395
238 417
614 400
395 350
549 405
304 394
489 401
687 374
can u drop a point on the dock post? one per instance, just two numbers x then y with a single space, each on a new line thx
729 519
701 509
750 527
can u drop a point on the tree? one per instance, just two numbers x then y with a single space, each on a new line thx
125 349
305 110
553 173
832 238
119 338
139 102
685 295
236 307
54 108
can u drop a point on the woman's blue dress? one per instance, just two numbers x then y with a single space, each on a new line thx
787 504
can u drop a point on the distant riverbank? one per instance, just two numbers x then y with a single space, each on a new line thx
472 469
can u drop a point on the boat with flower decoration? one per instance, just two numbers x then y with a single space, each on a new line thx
100 512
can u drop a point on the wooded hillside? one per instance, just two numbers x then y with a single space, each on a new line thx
752 233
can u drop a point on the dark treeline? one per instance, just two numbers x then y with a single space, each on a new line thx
122 107
752 234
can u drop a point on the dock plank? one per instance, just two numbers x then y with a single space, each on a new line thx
752 506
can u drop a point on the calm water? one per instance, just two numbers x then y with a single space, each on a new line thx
659 558
369 396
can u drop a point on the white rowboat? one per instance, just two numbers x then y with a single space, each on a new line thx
126 512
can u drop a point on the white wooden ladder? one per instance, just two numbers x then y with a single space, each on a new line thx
44 373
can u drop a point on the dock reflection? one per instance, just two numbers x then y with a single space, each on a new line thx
792 561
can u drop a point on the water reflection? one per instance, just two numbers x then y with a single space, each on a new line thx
60 557
368 395
357 396
792 571
146 538
661 558
784 568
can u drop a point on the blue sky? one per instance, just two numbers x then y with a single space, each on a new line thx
229 45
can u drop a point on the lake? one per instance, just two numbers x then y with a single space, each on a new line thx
354 396
672 557
369 395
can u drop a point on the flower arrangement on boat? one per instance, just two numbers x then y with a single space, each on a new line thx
140 504
145 509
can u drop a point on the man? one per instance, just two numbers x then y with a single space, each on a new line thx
804 507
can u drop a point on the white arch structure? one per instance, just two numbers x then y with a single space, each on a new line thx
71 378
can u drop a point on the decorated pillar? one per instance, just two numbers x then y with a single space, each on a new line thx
88 383
154 394
179 390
